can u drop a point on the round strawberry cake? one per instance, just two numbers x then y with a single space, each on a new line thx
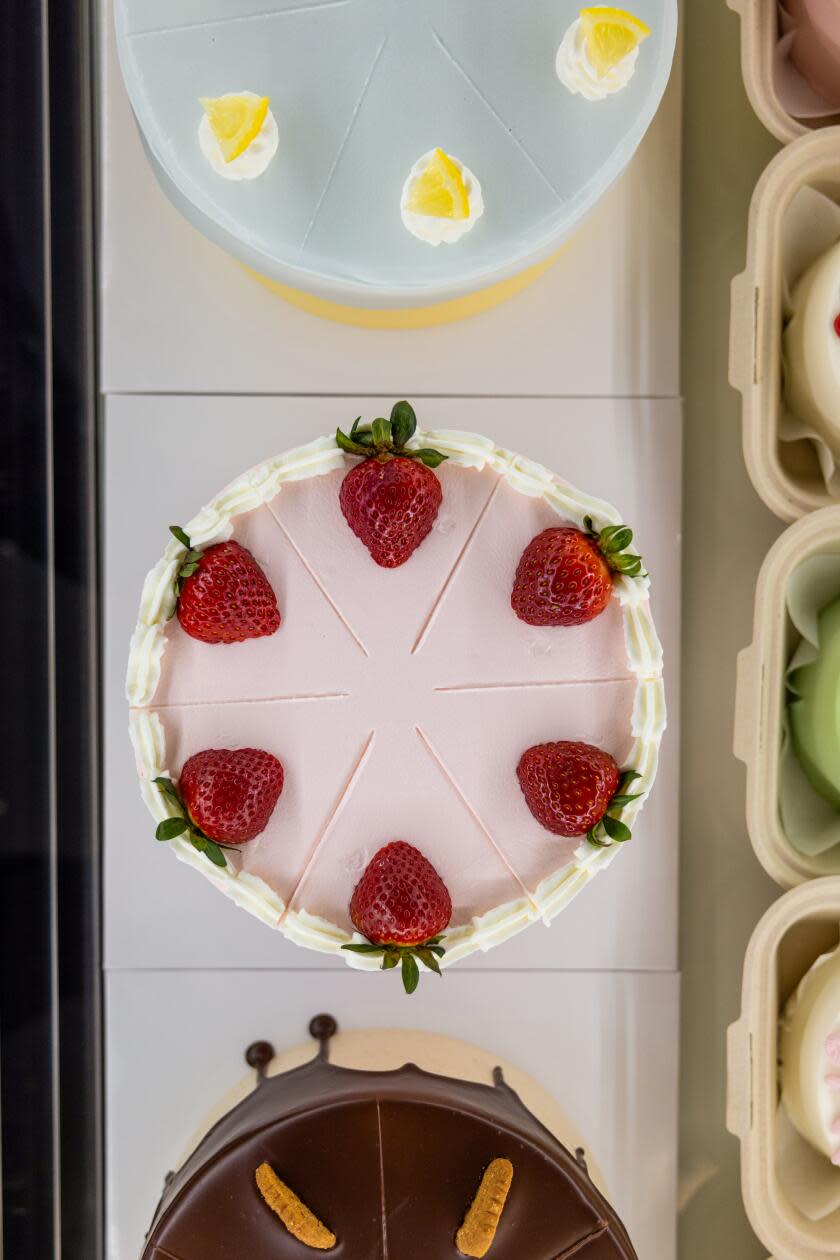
397 693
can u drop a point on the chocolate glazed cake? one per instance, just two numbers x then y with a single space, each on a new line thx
401 1165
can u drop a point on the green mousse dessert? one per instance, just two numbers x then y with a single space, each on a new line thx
815 712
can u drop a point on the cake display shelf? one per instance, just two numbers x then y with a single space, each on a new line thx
786 474
780 1174
360 90
605 1080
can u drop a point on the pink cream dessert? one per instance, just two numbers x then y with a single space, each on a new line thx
816 45
398 701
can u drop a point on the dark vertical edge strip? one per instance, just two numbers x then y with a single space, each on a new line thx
26 990
50 1045
75 541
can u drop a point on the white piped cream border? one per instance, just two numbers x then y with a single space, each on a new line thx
214 523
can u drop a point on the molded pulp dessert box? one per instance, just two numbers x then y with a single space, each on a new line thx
759 40
800 927
760 699
786 475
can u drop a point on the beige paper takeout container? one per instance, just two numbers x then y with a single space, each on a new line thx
759 39
793 934
786 475
801 926
760 699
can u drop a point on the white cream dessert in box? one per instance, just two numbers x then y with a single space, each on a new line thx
812 349
398 693
810 1056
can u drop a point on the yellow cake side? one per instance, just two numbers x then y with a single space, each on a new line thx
447 312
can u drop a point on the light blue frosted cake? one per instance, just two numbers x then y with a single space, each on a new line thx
341 106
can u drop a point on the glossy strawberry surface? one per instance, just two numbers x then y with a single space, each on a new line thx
562 579
568 786
227 597
400 899
391 506
231 793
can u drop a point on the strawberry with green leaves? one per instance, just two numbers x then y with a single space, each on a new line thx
222 594
390 500
576 789
402 906
224 797
565 576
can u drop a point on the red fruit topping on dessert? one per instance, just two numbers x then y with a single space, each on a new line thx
400 899
231 793
390 507
223 595
569 787
402 906
226 796
837 324
565 576
390 501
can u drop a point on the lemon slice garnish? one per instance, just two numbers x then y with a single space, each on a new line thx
440 191
235 120
610 36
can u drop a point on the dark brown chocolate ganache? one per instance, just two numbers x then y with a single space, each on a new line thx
389 1161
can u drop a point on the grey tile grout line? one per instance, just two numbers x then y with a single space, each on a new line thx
311 395
462 970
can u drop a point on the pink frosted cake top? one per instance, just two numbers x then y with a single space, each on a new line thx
399 701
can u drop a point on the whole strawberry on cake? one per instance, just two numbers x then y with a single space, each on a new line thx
398 693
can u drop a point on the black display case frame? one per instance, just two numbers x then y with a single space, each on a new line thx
51 1062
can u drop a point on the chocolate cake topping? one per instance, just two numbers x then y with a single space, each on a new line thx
321 1029
258 1055
391 1161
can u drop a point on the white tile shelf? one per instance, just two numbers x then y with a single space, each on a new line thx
603 1045
184 967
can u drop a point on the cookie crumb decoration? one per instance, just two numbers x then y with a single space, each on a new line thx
301 1223
475 1237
